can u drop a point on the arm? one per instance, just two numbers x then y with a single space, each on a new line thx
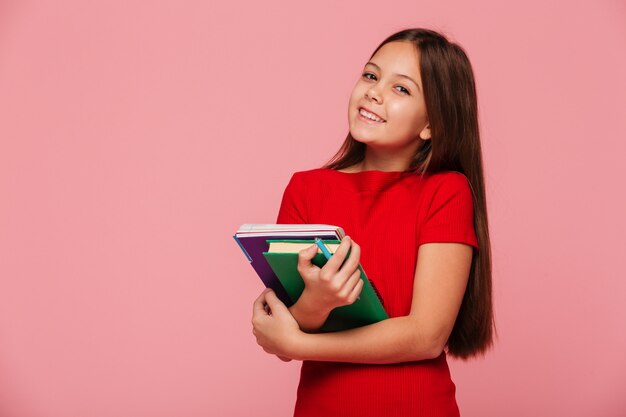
440 279
309 317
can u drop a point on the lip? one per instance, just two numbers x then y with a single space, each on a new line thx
358 112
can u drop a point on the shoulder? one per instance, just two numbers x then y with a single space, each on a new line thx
447 177
313 172
447 181
446 186
304 182
307 176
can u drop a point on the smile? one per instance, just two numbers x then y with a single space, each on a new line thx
369 117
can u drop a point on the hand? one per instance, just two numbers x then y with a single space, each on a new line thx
276 330
330 287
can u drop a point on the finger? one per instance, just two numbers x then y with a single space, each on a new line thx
259 304
335 261
305 256
275 304
356 292
348 287
352 281
353 258
348 268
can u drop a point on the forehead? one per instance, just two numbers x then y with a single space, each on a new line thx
398 57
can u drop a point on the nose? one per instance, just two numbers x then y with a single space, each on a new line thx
372 94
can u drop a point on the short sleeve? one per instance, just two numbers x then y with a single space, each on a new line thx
293 205
450 215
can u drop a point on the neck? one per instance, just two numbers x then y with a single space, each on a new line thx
384 161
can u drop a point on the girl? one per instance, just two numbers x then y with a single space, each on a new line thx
408 185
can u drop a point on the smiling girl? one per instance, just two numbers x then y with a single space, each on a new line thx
407 184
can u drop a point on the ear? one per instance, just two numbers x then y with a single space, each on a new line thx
425 133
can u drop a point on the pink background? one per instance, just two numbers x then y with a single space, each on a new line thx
135 137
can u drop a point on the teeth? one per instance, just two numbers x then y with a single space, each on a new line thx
370 116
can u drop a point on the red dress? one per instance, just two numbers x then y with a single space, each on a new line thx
389 214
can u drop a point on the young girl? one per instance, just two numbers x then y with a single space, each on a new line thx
408 185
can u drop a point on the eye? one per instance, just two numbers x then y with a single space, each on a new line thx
403 91
407 91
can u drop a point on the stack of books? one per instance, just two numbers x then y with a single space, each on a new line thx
272 250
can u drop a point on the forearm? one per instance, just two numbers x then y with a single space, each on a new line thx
393 340
309 317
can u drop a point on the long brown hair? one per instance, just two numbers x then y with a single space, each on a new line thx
451 104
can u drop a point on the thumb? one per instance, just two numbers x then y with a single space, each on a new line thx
308 253
275 304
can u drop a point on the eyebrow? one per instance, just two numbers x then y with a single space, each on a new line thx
399 75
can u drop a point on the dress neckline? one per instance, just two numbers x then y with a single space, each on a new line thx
371 180
369 171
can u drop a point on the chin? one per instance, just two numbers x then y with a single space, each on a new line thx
360 135
362 138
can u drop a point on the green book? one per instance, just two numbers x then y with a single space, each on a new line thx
282 257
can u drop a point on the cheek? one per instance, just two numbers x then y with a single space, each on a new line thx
355 96
351 102
408 117
355 99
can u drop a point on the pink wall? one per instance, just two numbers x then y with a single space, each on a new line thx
135 137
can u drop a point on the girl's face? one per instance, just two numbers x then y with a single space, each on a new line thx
391 87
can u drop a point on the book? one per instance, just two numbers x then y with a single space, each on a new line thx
272 250
252 239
